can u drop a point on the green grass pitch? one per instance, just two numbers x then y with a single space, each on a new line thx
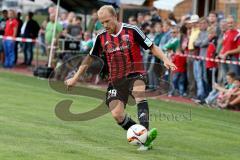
30 130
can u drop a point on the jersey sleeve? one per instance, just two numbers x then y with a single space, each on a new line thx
142 39
96 49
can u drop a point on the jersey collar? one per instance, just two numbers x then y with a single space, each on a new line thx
120 30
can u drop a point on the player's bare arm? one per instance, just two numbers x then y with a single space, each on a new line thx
82 69
158 53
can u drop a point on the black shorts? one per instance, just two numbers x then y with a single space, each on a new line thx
121 89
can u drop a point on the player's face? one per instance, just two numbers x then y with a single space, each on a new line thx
108 21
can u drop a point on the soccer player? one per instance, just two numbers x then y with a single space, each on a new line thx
120 44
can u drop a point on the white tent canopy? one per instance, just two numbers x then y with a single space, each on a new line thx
133 2
128 2
166 4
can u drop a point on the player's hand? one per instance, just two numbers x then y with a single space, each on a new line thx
71 82
170 65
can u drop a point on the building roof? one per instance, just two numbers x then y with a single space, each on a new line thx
84 6
166 4
132 2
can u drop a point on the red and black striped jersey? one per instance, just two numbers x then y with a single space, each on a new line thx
122 50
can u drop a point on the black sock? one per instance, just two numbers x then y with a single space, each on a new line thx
127 122
143 113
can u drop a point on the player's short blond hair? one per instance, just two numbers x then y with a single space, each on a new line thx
109 8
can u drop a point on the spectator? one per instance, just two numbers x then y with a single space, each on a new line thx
152 67
49 34
184 46
3 20
92 22
222 66
51 10
151 61
86 46
10 30
20 23
157 38
94 25
63 20
192 51
158 33
132 20
231 45
179 75
166 34
184 39
234 102
211 100
42 36
74 30
148 59
194 32
226 97
164 40
29 29
87 43
140 19
50 28
184 19
171 17
71 17
213 21
173 44
211 54
155 16
147 18
199 66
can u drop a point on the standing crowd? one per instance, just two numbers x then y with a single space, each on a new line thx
12 26
201 78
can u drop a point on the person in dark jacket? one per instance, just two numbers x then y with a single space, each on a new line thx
3 21
29 29
20 23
